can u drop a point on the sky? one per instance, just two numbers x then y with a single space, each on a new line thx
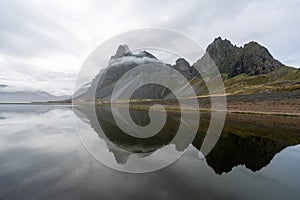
43 43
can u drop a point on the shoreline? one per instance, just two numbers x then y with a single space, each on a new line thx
173 109
277 104
190 109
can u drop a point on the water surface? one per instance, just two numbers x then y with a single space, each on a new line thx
41 157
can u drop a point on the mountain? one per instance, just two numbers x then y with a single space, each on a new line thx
3 86
252 59
245 70
120 63
82 90
251 69
123 61
28 96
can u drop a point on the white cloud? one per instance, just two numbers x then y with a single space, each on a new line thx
23 76
54 37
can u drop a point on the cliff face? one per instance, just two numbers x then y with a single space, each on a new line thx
252 59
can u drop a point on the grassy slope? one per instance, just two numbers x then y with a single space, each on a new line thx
284 79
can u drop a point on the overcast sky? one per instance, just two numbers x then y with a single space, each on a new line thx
44 43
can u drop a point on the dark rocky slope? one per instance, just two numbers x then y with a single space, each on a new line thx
252 59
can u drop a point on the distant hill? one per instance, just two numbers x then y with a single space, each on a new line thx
28 96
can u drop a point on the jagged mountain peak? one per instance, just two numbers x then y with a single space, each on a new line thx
124 51
145 54
251 59
256 47
219 40
252 43
121 51
222 43
182 64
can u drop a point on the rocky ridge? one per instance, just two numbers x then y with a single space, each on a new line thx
252 59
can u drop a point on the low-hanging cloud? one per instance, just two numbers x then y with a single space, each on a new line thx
49 40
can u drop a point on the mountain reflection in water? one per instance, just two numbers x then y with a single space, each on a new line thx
250 140
42 158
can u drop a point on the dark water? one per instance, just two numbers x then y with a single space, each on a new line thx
41 157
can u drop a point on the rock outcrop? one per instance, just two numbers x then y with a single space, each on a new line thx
122 50
252 59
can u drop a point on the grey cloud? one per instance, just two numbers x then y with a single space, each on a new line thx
45 30
21 76
131 59
272 23
26 30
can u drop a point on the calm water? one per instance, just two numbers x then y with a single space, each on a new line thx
41 157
